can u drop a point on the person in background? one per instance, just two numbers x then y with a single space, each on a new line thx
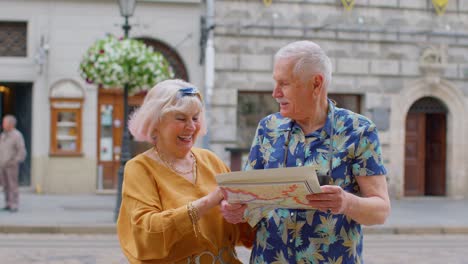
12 153
169 211
310 130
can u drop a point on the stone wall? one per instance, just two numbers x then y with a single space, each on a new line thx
376 51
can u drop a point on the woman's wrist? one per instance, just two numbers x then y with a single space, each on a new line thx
215 198
209 201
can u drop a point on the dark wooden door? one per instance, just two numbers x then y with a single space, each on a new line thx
109 134
110 130
415 154
435 154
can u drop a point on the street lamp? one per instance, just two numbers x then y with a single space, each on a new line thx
127 7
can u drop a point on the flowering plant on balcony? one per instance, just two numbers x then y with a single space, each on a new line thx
112 63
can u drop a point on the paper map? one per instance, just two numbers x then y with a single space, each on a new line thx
265 190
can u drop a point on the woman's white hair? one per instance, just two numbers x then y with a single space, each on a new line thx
308 59
164 98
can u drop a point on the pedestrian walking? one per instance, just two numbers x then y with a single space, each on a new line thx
12 153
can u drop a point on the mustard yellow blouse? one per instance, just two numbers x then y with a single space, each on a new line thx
154 225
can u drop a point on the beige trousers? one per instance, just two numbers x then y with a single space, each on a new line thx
9 175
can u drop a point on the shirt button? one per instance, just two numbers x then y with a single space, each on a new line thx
292 214
290 240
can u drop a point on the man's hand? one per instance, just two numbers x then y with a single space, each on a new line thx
372 207
332 199
233 213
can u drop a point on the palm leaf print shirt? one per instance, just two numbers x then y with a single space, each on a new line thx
312 236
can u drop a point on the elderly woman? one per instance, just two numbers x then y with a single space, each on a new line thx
170 198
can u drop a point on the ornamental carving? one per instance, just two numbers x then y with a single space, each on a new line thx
433 60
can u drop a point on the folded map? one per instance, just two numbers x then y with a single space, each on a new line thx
265 190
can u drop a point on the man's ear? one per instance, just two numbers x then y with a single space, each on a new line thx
317 83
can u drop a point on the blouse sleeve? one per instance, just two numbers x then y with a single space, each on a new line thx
246 235
146 231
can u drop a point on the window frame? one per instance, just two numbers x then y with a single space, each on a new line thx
67 105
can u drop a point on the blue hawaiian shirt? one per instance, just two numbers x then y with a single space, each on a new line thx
312 236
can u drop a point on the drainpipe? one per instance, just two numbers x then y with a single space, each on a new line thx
209 60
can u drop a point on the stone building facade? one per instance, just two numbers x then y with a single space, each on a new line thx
406 66
41 45
395 61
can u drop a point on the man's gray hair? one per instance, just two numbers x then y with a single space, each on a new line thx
309 60
11 119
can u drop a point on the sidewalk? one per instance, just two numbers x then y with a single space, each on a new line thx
47 213
426 215
95 214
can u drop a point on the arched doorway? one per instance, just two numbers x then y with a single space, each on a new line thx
425 148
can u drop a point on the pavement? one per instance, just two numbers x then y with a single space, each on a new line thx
94 214
53 213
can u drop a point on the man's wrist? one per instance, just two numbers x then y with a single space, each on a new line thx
350 202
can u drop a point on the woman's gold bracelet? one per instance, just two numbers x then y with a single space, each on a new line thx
194 217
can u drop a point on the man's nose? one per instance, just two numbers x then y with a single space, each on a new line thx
276 92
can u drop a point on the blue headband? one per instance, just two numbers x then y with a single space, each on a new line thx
188 91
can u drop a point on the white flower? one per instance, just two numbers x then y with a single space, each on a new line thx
112 63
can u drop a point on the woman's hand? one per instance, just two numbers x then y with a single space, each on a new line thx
233 213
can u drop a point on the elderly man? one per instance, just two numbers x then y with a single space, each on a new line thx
310 130
12 152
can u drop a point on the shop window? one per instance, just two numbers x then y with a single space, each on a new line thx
251 108
66 106
349 101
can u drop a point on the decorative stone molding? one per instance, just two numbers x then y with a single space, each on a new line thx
66 88
433 62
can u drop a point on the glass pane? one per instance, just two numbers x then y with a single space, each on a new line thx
106 140
349 101
251 107
66 131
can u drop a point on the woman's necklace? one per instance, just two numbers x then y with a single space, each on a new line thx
171 165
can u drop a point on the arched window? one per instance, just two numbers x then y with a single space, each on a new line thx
66 103
171 55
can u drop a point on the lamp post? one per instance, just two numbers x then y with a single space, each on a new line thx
127 7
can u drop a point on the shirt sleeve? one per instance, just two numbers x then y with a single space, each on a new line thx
368 154
254 161
20 149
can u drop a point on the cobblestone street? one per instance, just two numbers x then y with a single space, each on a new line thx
104 249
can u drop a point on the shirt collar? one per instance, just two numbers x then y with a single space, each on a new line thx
286 124
289 124
330 117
